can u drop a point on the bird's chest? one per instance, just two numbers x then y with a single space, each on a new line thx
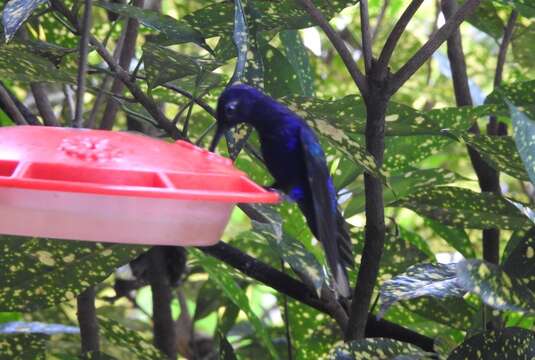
283 156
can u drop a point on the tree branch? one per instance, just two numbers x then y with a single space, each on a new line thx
87 320
338 44
82 66
395 35
128 51
43 105
300 292
504 45
421 56
366 35
8 106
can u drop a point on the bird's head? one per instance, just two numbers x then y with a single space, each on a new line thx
235 106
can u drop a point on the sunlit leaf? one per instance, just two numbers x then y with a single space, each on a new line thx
128 340
509 343
15 14
436 280
220 275
23 346
462 207
524 134
381 348
40 272
495 287
239 37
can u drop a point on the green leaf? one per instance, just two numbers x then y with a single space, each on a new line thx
280 78
495 287
172 31
436 280
486 19
217 19
302 262
524 134
399 252
525 7
312 332
129 340
499 152
208 300
240 39
23 346
42 272
380 348
163 64
454 236
15 14
226 351
509 343
400 186
465 208
450 311
221 276
519 260
297 56
521 94
19 64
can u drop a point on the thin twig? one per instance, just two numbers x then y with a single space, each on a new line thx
43 105
101 96
127 53
421 56
82 66
380 19
395 35
504 45
338 43
366 35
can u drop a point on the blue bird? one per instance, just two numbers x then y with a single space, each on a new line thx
295 159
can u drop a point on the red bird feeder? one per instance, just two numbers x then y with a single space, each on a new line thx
116 187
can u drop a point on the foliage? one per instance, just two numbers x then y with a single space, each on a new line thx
182 57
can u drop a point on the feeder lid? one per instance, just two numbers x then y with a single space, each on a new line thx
119 163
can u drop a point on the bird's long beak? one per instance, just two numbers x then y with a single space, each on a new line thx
219 132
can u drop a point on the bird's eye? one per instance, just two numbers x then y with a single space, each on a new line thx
230 108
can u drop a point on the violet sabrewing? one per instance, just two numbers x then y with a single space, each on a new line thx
295 159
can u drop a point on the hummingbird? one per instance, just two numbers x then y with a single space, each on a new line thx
294 157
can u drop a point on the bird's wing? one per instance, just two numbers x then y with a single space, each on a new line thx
325 207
